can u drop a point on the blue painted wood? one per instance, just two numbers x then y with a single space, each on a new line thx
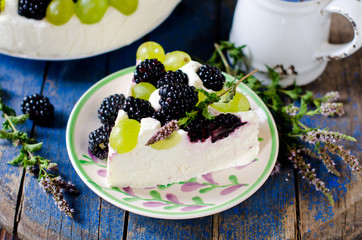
140 227
40 218
270 213
18 79
319 218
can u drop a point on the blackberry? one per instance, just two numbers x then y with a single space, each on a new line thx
38 107
177 99
35 9
223 125
149 70
198 129
137 108
109 108
201 128
211 77
98 141
173 77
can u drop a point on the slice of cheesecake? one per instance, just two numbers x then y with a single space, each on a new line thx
229 139
146 166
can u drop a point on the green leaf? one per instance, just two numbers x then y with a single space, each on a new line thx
33 147
302 109
294 93
274 76
131 199
172 207
198 200
156 195
17 160
233 179
85 162
206 190
207 114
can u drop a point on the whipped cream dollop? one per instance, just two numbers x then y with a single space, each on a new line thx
31 38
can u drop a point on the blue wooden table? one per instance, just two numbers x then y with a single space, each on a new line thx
285 207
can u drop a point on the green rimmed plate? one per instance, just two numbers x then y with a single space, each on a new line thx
198 197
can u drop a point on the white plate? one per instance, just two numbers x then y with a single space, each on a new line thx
209 194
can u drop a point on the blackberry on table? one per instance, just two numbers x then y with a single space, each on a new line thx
98 141
223 125
38 107
109 108
177 99
173 77
137 108
35 9
211 77
149 70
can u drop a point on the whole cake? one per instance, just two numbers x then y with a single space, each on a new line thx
65 29
180 120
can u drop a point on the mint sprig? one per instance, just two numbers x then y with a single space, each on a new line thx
45 170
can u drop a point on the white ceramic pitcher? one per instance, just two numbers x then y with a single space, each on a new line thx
292 37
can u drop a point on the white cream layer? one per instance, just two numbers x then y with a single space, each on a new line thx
40 39
146 167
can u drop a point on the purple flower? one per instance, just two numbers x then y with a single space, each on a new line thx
191 208
172 198
231 189
191 186
331 109
332 96
154 204
208 177
307 172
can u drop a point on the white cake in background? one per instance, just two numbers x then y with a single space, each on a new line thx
145 166
24 37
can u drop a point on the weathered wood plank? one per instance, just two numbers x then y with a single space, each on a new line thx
40 218
140 227
268 214
19 78
343 221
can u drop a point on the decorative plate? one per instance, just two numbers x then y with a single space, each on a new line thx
198 197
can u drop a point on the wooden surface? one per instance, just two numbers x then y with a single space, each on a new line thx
285 207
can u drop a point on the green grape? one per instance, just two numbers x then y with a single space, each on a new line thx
124 135
127 7
167 143
143 90
149 50
90 11
59 11
237 104
175 60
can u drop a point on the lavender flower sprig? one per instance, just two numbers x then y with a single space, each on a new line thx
43 168
295 156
